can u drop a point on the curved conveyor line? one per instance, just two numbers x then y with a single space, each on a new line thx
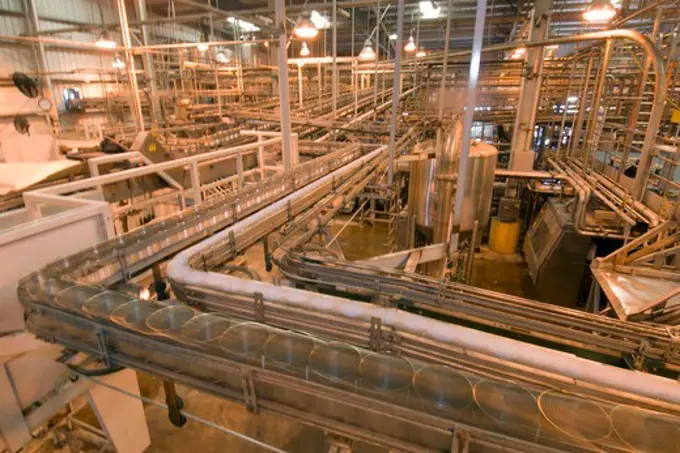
632 382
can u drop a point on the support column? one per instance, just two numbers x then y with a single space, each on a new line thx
582 103
522 155
396 93
130 66
299 65
282 59
147 60
468 114
334 75
588 139
41 60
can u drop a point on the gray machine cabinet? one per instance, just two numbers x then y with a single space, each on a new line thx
556 255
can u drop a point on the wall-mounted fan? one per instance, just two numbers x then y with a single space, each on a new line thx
25 84
22 125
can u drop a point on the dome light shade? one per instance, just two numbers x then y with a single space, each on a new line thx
118 63
393 37
105 42
410 45
421 52
222 57
304 51
518 53
305 28
599 11
202 46
367 53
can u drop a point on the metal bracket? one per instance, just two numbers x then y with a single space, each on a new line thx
673 348
259 307
123 266
234 210
379 299
380 340
460 442
103 349
232 241
289 211
638 356
249 395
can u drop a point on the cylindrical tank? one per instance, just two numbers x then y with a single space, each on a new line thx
478 190
422 195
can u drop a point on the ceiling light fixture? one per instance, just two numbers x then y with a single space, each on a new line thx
518 53
429 10
367 53
410 45
421 52
393 37
202 46
105 42
305 28
304 51
319 21
599 11
222 57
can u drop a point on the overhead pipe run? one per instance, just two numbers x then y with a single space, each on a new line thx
657 60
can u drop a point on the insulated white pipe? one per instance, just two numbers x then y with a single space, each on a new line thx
475 341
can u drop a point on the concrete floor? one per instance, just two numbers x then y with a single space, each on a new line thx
286 434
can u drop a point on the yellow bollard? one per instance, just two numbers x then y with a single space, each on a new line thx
503 236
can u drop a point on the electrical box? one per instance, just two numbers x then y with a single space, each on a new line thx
508 209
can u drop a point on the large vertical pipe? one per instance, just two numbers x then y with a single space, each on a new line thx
130 66
471 101
582 104
396 93
377 57
34 22
589 146
300 89
645 159
147 60
282 59
442 85
521 155
334 76
566 106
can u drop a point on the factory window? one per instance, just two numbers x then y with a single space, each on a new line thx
71 94
72 99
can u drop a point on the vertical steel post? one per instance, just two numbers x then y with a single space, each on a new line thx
334 76
377 57
283 85
589 146
299 71
471 101
130 66
442 85
396 93
147 60
521 155
582 105
34 22
566 107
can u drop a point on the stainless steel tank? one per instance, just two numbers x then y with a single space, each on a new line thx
478 190
422 185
